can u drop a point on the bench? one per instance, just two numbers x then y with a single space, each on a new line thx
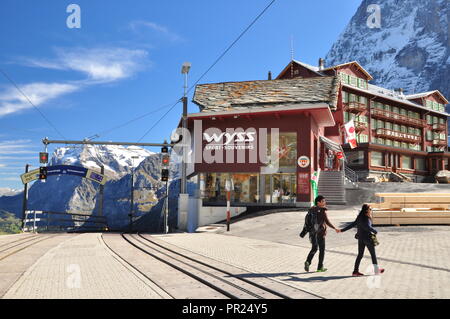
411 209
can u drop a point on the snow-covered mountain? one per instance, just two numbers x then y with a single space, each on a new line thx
117 160
73 194
8 191
410 49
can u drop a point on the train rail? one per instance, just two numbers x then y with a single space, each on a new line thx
226 283
18 246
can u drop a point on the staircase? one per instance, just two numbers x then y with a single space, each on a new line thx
332 186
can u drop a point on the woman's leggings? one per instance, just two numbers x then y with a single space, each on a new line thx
361 246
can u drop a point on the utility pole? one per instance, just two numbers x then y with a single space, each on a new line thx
132 193
25 199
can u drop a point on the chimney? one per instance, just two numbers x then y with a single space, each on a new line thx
321 64
269 76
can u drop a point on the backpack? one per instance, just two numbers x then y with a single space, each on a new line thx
311 222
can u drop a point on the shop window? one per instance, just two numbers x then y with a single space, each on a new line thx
421 164
286 151
377 159
406 162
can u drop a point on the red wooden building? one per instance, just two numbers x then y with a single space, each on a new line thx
299 117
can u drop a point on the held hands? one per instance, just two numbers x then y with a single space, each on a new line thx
338 230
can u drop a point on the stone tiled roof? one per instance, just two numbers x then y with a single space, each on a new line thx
259 94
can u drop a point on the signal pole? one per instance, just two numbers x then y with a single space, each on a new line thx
25 199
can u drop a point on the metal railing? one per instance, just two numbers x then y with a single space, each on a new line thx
55 221
350 174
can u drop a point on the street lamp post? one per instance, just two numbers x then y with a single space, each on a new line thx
184 70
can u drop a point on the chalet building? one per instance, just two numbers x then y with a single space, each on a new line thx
396 133
307 107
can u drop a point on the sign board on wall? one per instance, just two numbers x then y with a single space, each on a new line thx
303 183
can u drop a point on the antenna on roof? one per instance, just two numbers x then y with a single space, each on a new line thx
292 56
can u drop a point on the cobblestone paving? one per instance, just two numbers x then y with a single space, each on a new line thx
80 268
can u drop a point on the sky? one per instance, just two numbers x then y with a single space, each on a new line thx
124 61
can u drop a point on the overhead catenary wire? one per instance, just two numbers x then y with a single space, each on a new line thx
31 103
214 63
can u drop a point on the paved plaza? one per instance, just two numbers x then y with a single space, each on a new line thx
416 259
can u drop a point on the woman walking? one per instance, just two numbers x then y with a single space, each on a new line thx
364 224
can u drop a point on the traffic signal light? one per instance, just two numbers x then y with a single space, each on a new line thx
165 159
43 173
43 158
164 175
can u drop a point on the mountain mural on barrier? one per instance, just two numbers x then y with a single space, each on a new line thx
74 194
409 50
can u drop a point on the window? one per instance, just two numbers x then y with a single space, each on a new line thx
435 120
441 121
395 109
403 129
287 149
420 164
435 106
429 104
442 136
377 159
396 144
406 162
404 145
396 127
352 97
380 124
418 131
363 100
355 158
362 138
346 117
389 142
403 112
388 125
345 97
429 119
353 81
246 187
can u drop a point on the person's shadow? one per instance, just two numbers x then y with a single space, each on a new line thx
293 276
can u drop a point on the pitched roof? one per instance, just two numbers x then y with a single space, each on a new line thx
258 94
391 95
353 62
424 94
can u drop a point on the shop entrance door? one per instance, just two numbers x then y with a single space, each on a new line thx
279 188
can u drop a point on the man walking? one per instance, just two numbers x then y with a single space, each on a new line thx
316 224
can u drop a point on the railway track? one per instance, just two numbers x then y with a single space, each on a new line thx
226 283
20 245
20 239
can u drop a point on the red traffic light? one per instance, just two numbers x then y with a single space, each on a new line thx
43 157
165 160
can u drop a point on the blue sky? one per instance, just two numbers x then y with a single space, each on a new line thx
126 58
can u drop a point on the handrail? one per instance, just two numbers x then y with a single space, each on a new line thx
351 174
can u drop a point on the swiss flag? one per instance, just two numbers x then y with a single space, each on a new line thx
350 133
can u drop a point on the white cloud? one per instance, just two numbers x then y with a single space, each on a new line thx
11 100
162 30
101 65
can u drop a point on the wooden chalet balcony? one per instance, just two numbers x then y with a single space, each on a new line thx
360 126
355 107
398 136
439 127
439 143
398 118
